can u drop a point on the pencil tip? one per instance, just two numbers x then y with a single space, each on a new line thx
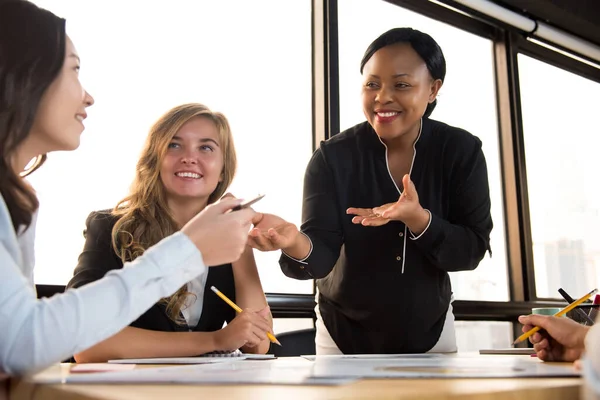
277 343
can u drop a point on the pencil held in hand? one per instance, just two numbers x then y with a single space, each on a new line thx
226 299
558 314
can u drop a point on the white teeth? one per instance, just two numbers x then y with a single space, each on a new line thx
387 114
188 175
79 118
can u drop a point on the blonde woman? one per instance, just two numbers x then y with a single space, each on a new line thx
42 109
187 163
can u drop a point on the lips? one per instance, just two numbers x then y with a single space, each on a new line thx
386 116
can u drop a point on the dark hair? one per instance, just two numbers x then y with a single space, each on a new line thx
32 53
422 43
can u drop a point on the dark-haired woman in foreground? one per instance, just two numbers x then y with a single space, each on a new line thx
391 206
42 108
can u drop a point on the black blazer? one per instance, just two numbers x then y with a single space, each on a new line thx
99 257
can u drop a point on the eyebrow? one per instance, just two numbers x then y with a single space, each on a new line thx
393 76
201 140
75 56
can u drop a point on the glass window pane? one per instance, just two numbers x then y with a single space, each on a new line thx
560 119
477 335
139 59
281 325
467 100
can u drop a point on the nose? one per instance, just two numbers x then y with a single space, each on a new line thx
189 158
384 95
88 99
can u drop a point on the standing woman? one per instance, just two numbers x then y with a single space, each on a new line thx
391 206
42 108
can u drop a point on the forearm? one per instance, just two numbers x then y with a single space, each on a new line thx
142 343
453 247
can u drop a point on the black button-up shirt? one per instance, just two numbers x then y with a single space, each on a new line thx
382 289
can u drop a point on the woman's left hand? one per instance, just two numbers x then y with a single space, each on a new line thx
407 209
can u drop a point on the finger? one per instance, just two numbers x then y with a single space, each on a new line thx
377 221
578 365
364 212
265 312
541 345
257 218
542 321
245 215
357 220
409 187
543 355
277 240
537 337
222 206
227 196
262 242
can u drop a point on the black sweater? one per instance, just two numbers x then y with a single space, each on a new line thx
382 290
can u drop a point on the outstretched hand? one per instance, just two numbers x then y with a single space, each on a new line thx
407 209
271 232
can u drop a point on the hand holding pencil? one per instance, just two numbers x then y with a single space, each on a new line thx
226 299
562 339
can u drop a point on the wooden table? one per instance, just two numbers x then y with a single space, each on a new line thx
399 389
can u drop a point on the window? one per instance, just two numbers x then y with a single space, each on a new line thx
466 100
560 116
477 335
140 63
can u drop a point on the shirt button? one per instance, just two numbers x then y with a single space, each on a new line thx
301 267
398 258
401 234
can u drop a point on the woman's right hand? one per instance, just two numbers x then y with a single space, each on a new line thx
221 236
271 232
562 339
248 328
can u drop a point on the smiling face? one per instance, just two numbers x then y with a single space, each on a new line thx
397 87
58 122
193 163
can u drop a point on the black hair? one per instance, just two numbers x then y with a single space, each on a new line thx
425 46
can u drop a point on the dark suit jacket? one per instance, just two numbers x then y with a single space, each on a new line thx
99 257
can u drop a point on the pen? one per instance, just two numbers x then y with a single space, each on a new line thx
226 299
578 311
558 314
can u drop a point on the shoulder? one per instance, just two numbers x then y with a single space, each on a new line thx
457 138
100 223
350 142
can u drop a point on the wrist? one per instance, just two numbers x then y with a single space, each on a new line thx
299 248
210 340
418 221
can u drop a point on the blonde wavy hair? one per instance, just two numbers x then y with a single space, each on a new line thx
144 216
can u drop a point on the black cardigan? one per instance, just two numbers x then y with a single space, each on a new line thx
382 290
98 257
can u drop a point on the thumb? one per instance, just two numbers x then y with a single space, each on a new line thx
409 187
257 218
543 321
224 205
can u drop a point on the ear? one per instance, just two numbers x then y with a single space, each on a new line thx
435 88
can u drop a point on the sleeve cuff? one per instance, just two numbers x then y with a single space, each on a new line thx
415 237
303 261
592 380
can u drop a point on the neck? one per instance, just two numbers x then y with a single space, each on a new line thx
184 209
406 141
22 156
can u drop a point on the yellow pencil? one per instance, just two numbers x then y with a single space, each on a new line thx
558 314
226 299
